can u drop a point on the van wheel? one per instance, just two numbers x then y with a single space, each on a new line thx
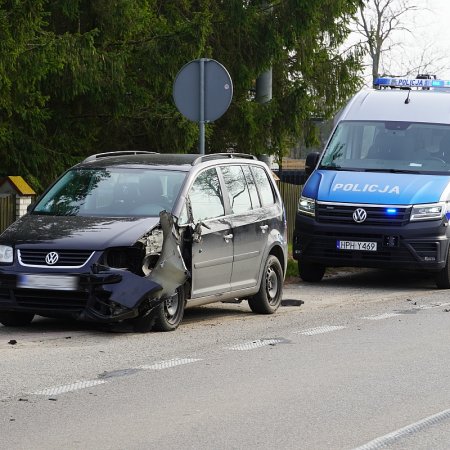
442 278
169 314
268 298
15 319
312 273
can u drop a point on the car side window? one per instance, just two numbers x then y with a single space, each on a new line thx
264 186
206 196
251 187
237 189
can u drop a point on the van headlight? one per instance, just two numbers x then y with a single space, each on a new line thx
6 254
306 206
432 211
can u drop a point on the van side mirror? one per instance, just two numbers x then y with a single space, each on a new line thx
311 162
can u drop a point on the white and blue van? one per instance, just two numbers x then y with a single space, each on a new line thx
379 194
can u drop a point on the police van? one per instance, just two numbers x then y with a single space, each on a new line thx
379 194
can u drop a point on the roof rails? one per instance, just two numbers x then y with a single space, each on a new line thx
119 153
221 156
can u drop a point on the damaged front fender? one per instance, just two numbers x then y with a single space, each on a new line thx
170 270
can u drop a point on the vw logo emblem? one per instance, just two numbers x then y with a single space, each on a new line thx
51 258
359 215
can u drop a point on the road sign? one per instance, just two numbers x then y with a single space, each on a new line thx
202 92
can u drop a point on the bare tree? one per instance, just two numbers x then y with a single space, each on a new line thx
377 21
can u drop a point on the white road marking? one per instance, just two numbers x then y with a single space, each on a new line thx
390 438
255 344
320 330
382 316
168 363
436 305
56 390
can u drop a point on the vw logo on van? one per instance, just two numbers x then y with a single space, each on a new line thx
359 215
51 258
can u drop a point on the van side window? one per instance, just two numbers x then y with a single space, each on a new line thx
264 186
251 187
206 196
237 189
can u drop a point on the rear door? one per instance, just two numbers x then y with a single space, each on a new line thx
212 256
249 225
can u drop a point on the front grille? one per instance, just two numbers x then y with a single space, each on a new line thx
376 215
52 300
66 258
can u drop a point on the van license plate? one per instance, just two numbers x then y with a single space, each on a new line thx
49 282
357 245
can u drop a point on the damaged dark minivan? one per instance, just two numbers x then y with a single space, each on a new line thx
139 236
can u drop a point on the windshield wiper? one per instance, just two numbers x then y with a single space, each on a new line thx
393 170
349 169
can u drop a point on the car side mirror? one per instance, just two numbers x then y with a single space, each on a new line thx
311 162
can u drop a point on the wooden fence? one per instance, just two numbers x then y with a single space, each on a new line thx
290 194
7 210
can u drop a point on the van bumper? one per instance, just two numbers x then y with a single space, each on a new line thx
416 246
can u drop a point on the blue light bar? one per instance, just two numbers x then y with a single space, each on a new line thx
391 211
409 83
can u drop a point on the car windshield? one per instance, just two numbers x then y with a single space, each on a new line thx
389 147
112 192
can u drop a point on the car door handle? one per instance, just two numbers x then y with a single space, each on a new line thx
264 228
227 237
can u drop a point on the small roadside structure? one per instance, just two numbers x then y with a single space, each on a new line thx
18 187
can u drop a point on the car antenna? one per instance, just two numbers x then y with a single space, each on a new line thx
407 100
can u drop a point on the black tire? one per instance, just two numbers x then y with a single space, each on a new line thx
442 278
15 319
268 298
313 273
169 314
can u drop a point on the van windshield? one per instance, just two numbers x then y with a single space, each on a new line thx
112 192
389 147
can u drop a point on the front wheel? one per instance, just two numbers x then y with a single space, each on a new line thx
268 298
169 314
442 278
312 273
15 319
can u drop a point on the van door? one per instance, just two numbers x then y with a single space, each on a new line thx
212 256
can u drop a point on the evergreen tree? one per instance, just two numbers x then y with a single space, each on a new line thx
79 77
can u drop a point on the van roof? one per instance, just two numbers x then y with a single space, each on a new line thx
389 105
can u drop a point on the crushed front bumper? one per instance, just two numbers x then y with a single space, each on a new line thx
109 296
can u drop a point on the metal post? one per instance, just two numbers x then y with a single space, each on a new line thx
201 143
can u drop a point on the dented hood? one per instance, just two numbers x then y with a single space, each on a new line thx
93 233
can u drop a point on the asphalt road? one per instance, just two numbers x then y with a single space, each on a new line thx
360 364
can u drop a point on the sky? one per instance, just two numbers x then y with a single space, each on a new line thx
430 37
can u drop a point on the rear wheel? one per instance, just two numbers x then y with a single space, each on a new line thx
312 273
442 278
268 298
15 319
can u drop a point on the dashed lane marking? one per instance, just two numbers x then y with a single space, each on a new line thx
381 316
320 330
168 363
391 438
56 390
256 344
435 305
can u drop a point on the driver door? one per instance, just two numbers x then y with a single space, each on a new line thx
212 256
